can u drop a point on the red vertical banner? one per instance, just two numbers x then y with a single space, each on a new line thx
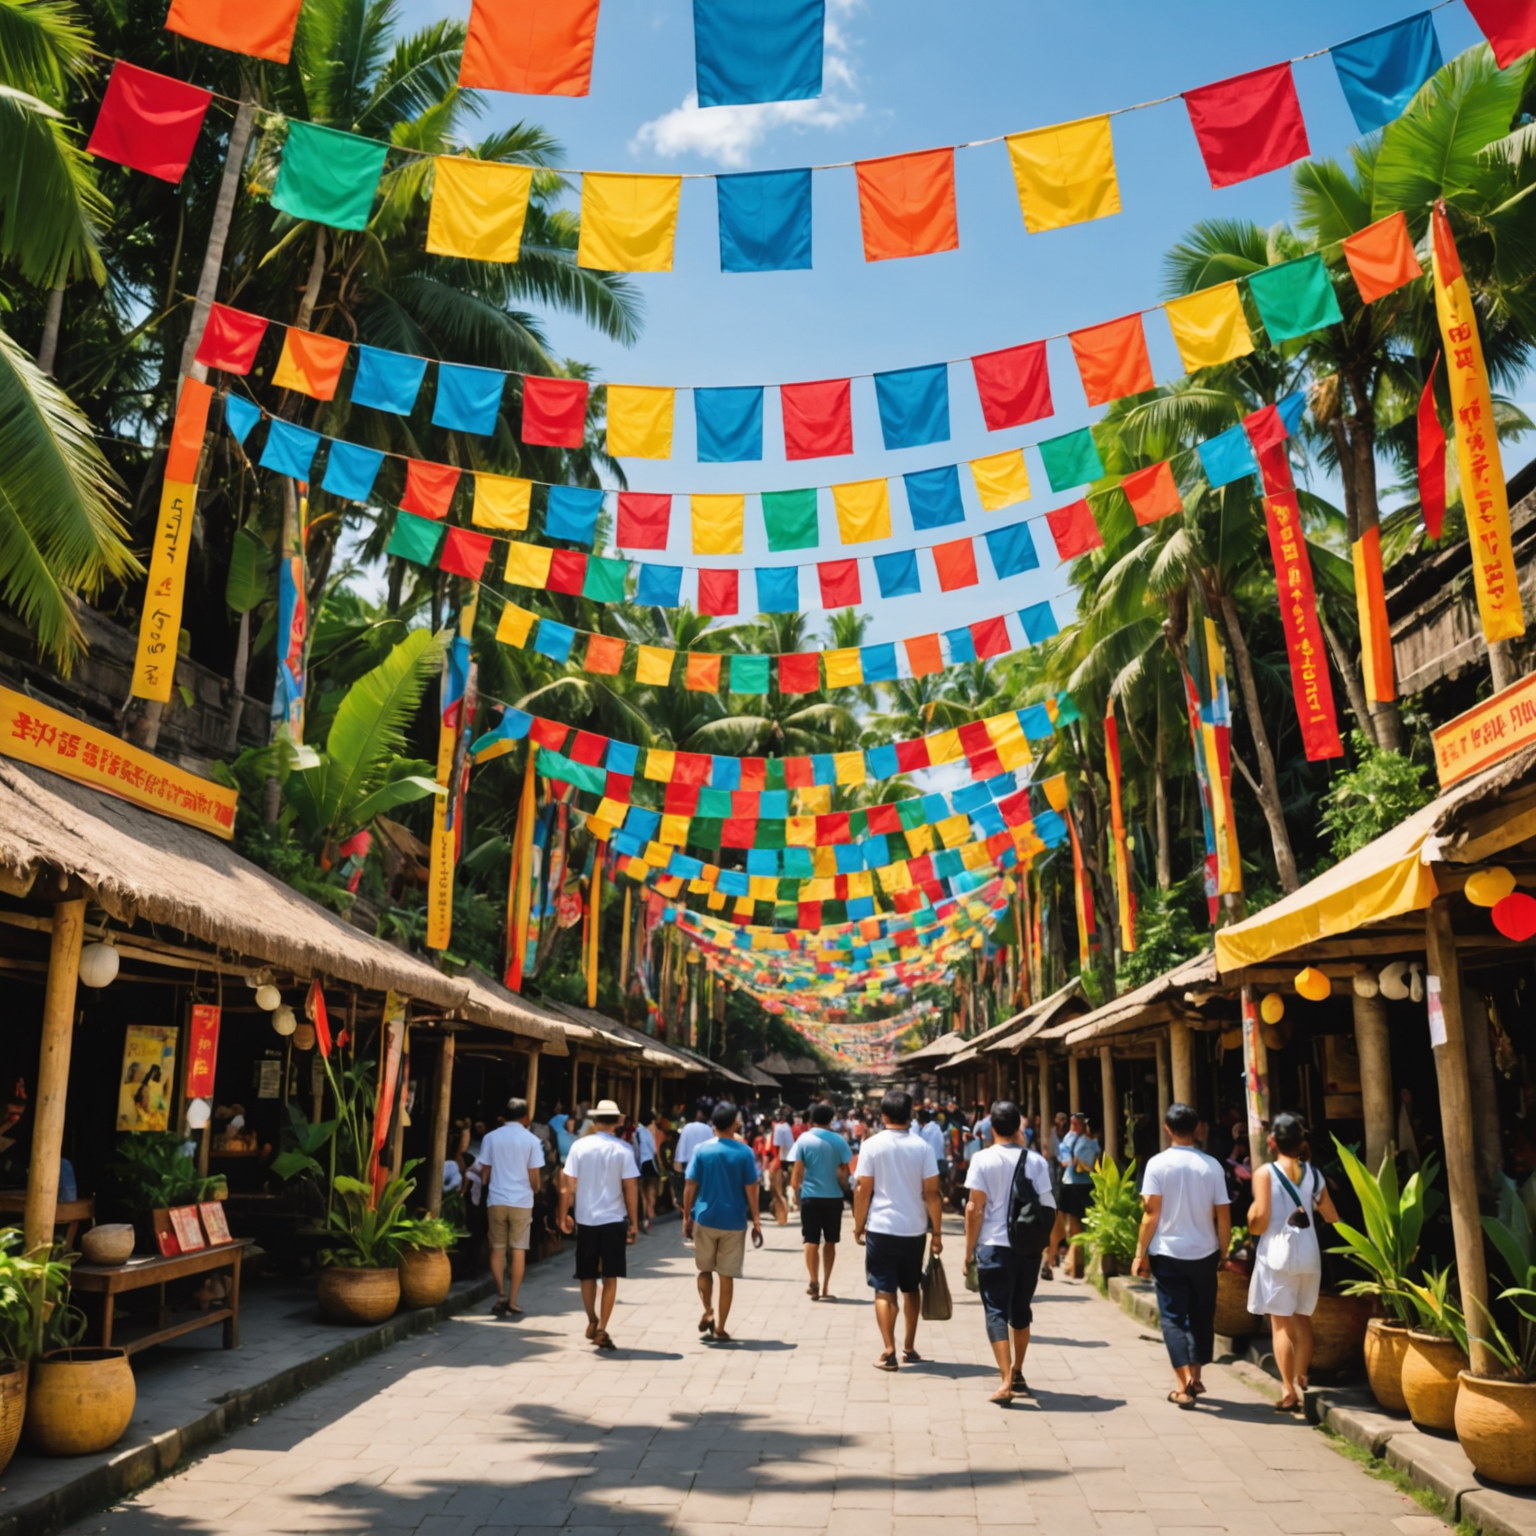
1083 895
1310 684
1125 897
1431 458
202 1050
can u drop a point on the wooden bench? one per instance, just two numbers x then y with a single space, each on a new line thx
110 1281
69 1215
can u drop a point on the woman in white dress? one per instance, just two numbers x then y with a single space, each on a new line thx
1288 1197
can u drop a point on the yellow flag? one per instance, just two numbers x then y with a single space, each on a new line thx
863 510
444 845
154 666
1001 479
640 421
653 666
628 223
514 625
1066 174
845 669
501 502
478 208
1209 326
848 766
1477 444
719 524
528 565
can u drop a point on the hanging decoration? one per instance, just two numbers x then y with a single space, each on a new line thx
455 722
1125 894
520 894
1431 458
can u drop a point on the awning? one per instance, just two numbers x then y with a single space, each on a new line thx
935 1051
1153 1002
1044 1020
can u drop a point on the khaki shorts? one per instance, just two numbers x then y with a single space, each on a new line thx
510 1226
720 1253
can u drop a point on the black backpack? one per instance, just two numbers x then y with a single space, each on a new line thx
1030 1219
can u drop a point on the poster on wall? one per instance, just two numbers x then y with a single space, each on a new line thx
149 1071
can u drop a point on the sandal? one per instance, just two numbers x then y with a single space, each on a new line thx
911 1356
1018 1384
722 1337
1002 1397
1197 1389
1288 1407
887 1361
501 1309
707 1324
603 1341
813 1290
592 1329
1183 1399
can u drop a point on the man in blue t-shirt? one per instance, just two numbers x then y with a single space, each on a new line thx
719 1199
820 1159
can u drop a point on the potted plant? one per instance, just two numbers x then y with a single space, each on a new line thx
1437 1353
1233 1319
152 1173
426 1275
1394 1219
1113 1221
1496 1416
359 1275
34 1315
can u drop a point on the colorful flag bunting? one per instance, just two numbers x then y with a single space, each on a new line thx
729 425
387 381
351 469
1125 894
263 31
1248 125
528 565
1295 298
765 221
719 593
644 520
863 510
290 450
327 176
1112 359
468 399
230 339
801 673
478 209
429 487
1074 530
415 539
240 416
933 496
1381 257
149 122
659 586
572 513
1039 623
791 520
1209 327
897 574
907 204
188 429
1066 174
818 419
778 589
1509 26
1431 458
1382 70
628 222
1012 550
501 502
1228 456
839 582
719 524
531 47
653 666
640 421
1152 493
465 553
1014 385
914 406
1001 479
955 563
747 52
1071 460
554 412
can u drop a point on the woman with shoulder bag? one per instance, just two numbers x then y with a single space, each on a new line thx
1288 1196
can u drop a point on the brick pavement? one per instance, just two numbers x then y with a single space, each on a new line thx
492 1427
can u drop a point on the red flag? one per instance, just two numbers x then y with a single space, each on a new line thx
314 1009
1431 457
149 122
1311 686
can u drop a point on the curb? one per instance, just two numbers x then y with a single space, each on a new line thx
139 1465
1432 1462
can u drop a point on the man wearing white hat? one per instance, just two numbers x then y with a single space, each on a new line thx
602 1181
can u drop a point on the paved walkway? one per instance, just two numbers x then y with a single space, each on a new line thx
493 1427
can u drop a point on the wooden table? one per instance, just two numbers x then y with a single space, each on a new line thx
69 1215
110 1281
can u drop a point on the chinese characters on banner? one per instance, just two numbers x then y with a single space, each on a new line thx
1477 445
33 733
1310 684
202 1050
1487 733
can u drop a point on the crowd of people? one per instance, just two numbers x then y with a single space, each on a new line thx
891 1169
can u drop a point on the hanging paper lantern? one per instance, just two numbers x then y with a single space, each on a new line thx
1313 985
1276 1036
198 1114
268 997
1515 916
304 1037
1364 984
98 965
1488 887
1232 1039
283 1020
1272 1009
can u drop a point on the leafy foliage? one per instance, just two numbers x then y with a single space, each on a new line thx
35 1314
1113 1223
1382 791
1394 1220
368 1232
1165 936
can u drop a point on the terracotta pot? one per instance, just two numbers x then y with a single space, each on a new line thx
1338 1333
1496 1425
1430 1370
358 1295
1233 1319
425 1276
110 1244
79 1401
13 1407
1386 1346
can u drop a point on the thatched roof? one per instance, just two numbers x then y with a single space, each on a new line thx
621 1037
135 864
757 1078
778 1065
1048 1019
935 1051
1154 1002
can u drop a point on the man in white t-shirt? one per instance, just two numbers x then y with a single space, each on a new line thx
896 1203
783 1143
690 1138
513 1158
1008 1275
601 1180
1183 1240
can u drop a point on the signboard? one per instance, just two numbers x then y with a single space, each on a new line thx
1487 734
149 1071
202 1050
47 738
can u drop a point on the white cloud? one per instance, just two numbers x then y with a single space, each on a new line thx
728 135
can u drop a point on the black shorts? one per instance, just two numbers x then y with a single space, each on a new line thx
893 1264
1008 1281
1072 1199
602 1252
821 1219
647 1169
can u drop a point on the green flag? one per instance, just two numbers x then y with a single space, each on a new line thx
328 176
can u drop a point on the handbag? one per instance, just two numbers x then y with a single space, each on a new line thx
1287 1251
937 1306
972 1276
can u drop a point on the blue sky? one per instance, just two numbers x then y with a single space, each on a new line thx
905 76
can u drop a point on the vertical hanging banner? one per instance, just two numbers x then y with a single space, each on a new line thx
391 1050
292 627
1481 465
202 1050
458 713
1125 897
1219 751
1311 686
154 667
1207 799
522 872
1431 458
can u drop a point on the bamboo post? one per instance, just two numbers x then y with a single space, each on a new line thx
1181 1049
1074 1085
531 1092
1043 1075
442 1103
1164 1088
1255 1081
1487 1130
1374 1048
1111 1129
1447 1034
53 1073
